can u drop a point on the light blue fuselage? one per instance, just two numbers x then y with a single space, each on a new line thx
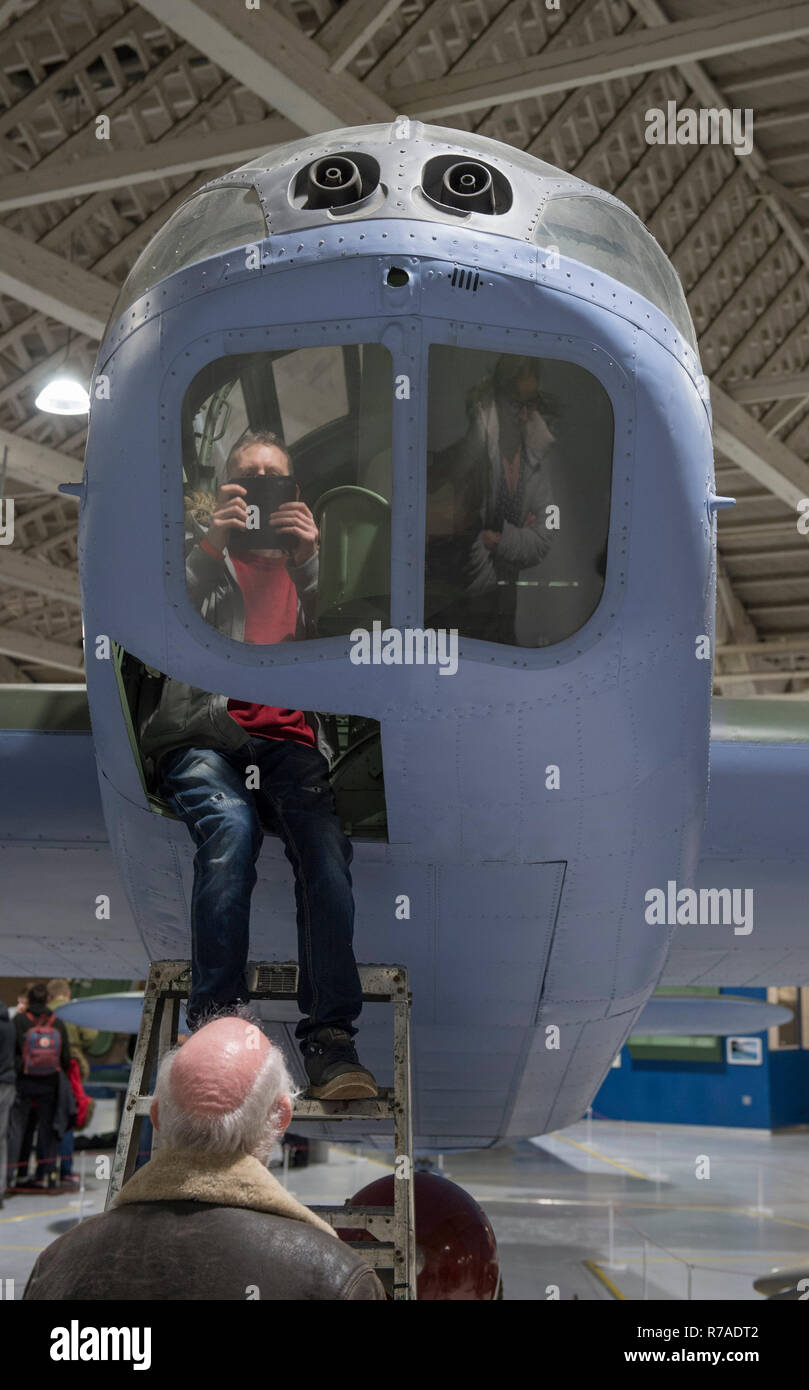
527 903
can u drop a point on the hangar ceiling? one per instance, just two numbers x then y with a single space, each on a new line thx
185 85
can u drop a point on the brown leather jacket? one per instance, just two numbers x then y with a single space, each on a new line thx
190 1226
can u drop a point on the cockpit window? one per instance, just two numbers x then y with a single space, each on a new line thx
610 239
519 467
214 221
287 485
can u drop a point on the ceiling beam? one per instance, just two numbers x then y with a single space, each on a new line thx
39 465
51 87
19 571
751 531
7 8
754 164
272 57
776 74
584 65
430 19
350 28
735 679
743 440
11 674
54 286
786 115
123 168
41 651
735 621
791 646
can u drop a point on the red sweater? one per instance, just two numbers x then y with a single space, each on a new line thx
270 615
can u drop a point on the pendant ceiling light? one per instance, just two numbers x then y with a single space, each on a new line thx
64 394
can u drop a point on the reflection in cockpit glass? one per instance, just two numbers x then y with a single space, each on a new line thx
287 487
519 462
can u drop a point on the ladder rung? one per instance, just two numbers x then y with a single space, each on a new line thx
279 980
352 1216
378 1253
377 1220
377 1108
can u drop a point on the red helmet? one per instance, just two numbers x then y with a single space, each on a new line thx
456 1252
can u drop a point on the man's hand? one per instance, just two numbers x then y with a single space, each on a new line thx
230 510
295 522
490 539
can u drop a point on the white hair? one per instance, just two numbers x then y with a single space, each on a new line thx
251 1127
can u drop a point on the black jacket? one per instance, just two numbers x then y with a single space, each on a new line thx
172 714
8 1047
22 1023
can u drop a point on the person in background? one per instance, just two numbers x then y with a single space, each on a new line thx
8 1087
22 1001
42 1052
79 1038
204 1219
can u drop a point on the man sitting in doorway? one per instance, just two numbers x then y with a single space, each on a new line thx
201 745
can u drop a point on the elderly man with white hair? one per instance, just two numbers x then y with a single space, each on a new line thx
204 1219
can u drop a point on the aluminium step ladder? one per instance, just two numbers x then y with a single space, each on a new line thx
393 1250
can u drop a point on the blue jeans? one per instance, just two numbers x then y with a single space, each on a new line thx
206 787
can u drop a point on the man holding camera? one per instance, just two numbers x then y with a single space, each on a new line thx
208 752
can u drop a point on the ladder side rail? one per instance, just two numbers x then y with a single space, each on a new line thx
403 1206
143 1062
167 1030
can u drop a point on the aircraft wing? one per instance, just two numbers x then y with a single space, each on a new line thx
57 866
757 838
58 876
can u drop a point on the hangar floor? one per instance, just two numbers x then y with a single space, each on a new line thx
604 1210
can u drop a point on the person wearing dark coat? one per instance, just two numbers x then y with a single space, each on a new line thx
36 1091
204 1219
8 1087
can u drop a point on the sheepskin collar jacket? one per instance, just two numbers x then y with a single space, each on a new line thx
190 1226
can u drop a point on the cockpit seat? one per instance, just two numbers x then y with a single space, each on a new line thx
354 578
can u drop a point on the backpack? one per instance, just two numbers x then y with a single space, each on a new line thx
42 1047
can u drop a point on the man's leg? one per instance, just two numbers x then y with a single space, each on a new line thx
208 792
66 1149
27 1141
47 1138
295 782
295 785
18 1125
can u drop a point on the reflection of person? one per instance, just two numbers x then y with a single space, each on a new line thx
201 746
501 477
204 1219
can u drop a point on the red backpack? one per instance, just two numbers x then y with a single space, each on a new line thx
41 1046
